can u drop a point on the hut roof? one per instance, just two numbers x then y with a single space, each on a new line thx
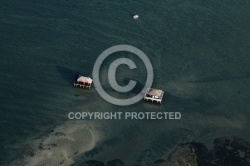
84 79
155 92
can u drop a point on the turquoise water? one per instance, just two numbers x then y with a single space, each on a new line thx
199 52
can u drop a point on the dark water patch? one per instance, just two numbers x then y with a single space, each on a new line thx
221 78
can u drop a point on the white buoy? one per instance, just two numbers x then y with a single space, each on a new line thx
136 16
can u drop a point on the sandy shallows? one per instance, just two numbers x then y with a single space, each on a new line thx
62 146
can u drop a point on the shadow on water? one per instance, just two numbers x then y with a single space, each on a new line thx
138 87
67 74
199 102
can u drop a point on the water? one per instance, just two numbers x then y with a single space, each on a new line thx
199 52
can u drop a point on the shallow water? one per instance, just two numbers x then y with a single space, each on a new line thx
199 52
